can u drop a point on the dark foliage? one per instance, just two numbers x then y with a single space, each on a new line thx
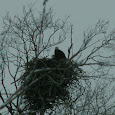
49 79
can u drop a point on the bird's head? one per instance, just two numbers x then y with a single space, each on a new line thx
56 48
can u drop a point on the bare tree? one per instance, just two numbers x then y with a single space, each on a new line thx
23 39
26 38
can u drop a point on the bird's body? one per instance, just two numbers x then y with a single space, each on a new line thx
59 54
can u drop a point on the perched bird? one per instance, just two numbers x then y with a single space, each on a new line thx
59 54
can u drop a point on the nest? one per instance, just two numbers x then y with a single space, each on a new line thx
47 81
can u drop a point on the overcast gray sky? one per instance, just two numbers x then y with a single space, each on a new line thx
84 13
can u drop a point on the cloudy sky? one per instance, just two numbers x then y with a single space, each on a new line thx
83 13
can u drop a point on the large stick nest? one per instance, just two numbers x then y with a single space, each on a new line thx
48 81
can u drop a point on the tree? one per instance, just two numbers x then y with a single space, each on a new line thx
28 38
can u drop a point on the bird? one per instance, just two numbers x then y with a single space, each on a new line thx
58 54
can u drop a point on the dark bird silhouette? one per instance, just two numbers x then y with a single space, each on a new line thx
59 54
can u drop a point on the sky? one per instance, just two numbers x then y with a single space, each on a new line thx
83 13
